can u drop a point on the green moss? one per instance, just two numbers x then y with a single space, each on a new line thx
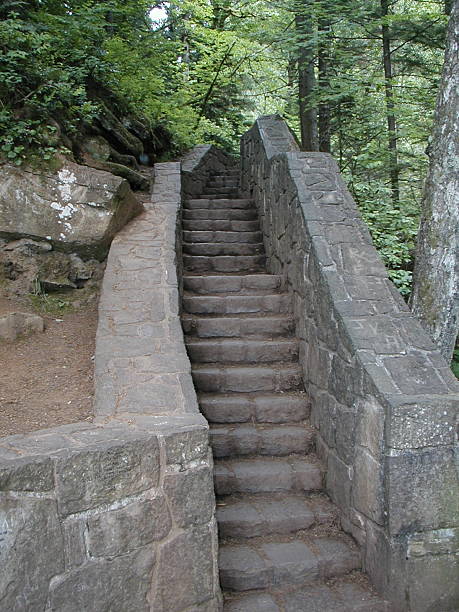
54 305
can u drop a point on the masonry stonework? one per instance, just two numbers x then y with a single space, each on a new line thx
383 400
120 514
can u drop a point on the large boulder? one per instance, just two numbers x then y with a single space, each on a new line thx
76 209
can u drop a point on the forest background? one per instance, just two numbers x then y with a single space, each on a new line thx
357 78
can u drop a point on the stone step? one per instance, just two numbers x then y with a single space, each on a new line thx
224 214
247 379
224 181
241 350
345 594
275 564
222 196
223 237
232 284
224 263
221 190
211 249
253 516
227 174
250 439
221 225
276 303
206 203
238 327
267 475
290 407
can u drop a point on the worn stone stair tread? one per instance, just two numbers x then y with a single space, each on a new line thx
345 594
224 326
221 225
273 564
222 237
206 203
216 214
252 516
256 439
241 350
288 407
224 263
214 249
221 196
244 378
275 474
275 303
214 284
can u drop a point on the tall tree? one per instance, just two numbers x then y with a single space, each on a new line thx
306 75
435 296
390 102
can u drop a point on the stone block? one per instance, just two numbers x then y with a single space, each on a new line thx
118 585
116 532
345 433
191 496
186 570
16 324
185 446
106 473
414 375
433 583
74 542
422 490
27 474
370 425
423 422
339 481
31 552
368 495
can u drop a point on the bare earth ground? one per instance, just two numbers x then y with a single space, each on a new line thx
46 379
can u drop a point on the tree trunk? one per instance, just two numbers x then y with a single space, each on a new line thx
324 86
390 106
306 80
435 296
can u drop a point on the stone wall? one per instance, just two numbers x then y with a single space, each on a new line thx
197 166
384 401
119 514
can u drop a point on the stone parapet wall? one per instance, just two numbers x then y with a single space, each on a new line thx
199 164
384 401
120 514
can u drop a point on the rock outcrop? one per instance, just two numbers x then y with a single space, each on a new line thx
77 209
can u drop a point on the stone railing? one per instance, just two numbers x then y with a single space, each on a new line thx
385 403
120 514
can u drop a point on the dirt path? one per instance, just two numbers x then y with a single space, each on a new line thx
47 379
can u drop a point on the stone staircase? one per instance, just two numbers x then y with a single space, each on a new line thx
281 548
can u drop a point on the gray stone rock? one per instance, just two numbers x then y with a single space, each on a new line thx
108 472
185 571
77 209
114 585
31 552
188 495
17 324
28 247
27 474
116 532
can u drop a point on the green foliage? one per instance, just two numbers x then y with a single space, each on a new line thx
211 66
455 363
